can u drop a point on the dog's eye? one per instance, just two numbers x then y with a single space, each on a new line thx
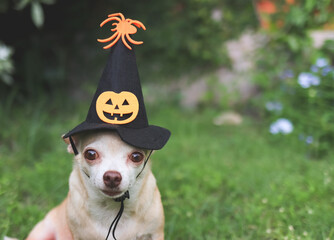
136 157
91 155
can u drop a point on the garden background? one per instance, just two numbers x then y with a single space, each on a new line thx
246 88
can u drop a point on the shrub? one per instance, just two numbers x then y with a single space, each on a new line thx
295 79
302 91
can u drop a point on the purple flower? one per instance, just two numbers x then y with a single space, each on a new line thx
307 80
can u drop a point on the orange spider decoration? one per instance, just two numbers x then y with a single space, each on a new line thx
123 28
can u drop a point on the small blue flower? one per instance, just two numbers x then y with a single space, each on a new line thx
287 74
307 80
274 106
321 62
309 139
326 70
282 125
314 68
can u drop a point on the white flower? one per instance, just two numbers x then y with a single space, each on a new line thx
4 52
307 80
327 180
291 228
268 231
274 106
321 62
282 125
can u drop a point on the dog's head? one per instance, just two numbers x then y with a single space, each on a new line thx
109 165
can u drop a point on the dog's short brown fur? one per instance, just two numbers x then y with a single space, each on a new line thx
89 208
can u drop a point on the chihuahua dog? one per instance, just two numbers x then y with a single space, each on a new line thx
105 169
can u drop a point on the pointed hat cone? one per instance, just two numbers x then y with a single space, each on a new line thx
118 104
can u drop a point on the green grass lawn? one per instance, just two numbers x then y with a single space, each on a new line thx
216 182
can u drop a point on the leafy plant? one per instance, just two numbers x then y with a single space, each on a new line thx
296 80
37 13
302 91
6 64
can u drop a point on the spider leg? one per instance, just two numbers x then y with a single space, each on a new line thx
110 19
117 14
138 24
112 44
125 43
115 28
108 39
133 41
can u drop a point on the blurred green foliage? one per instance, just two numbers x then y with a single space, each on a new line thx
294 16
55 41
296 80
292 20
303 93
37 13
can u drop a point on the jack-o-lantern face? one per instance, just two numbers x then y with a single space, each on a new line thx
117 108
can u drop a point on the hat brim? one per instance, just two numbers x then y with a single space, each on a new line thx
150 137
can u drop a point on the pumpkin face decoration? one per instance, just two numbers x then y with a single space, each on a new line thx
117 108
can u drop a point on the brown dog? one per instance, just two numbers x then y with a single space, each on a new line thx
104 170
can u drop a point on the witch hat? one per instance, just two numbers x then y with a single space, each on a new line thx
118 103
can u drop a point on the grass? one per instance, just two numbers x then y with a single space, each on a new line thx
216 182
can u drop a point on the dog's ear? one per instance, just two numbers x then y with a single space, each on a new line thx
69 146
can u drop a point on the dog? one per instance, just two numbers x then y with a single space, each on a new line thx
105 169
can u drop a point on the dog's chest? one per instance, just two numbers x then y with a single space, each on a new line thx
127 229
145 237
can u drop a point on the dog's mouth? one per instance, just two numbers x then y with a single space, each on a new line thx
112 193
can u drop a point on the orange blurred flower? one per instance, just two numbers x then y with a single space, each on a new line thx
266 6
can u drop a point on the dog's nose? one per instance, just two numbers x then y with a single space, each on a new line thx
112 179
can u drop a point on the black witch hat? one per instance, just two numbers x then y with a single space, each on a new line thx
118 102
